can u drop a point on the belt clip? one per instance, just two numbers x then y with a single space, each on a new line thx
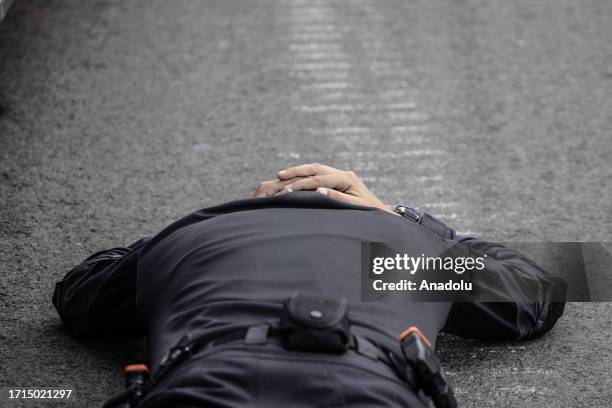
136 378
136 375
418 352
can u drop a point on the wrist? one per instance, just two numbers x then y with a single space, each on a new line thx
390 209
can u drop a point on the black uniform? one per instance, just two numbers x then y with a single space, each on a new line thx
232 266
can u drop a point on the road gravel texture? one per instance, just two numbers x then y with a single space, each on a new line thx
118 117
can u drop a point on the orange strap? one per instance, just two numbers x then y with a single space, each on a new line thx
415 330
135 368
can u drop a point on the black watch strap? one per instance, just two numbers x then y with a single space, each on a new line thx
407 212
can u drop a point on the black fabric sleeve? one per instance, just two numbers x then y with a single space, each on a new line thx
98 297
531 299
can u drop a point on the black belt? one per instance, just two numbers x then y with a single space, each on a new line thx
253 335
315 324
259 335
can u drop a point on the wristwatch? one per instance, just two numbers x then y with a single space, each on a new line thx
407 212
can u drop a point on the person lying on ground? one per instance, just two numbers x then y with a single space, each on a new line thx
257 302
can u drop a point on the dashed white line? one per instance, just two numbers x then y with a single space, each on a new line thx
328 28
317 66
410 116
317 56
341 130
320 75
427 179
316 36
354 108
398 155
329 85
446 204
321 46
408 129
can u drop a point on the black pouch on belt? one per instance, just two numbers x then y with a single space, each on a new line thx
314 323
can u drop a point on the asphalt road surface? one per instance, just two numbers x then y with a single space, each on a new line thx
118 117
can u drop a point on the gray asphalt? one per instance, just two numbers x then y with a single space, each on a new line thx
118 117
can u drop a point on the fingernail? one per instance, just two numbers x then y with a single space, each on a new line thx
288 189
323 191
282 172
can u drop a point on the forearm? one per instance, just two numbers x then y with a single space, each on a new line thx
526 300
97 297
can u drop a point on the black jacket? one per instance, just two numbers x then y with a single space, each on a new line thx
233 265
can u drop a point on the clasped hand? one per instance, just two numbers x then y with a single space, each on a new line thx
340 185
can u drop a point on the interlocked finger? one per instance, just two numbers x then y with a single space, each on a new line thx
341 181
270 188
306 170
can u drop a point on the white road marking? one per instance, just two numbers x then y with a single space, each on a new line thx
318 66
369 138
397 155
306 19
310 36
408 129
329 85
330 108
354 114
427 179
467 233
318 28
373 179
397 116
394 94
291 155
446 204
312 10
322 75
452 216
519 389
327 55
341 130
318 46
343 96
354 108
